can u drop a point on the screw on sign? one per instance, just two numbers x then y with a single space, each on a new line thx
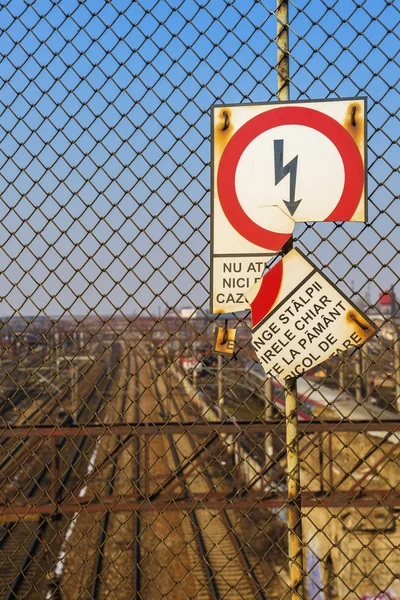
275 165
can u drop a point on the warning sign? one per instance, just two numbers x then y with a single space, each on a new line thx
301 319
235 276
275 165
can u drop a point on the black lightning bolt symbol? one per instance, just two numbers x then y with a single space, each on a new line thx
282 170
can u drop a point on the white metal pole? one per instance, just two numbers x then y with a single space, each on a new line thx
268 446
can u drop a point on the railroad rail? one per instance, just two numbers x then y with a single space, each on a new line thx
227 569
15 574
220 560
30 420
95 588
94 569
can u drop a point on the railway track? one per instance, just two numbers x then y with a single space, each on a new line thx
37 417
26 457
268 576
11 403
224 568
100 549
17 572
219 565
99 588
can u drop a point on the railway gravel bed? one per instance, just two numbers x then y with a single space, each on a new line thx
29 572
141 554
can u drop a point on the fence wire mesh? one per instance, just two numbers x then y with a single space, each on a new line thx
134 462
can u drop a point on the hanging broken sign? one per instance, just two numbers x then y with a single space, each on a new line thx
300 319
274 165
225 341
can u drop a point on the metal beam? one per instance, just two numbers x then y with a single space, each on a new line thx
370 498
201 427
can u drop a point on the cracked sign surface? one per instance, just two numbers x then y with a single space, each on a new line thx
274 165
300 319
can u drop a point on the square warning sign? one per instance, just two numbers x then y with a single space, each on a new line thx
272 164
300 318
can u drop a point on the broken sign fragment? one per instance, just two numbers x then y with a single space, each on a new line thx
225 341
300 318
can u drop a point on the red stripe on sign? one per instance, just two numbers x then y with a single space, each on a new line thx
291 115
268 293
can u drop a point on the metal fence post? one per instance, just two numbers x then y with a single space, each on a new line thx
282 14
220 398
294 498
396 365
74 389
269 398
57 351
360 395
291 399
342 380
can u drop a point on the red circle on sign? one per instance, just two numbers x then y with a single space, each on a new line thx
295 115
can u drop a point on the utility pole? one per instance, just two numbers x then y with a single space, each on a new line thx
291 400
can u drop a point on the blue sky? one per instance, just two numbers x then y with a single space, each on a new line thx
105 147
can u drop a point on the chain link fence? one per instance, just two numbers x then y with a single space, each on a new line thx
135 463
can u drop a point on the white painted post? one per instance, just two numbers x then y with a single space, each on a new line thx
268 445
